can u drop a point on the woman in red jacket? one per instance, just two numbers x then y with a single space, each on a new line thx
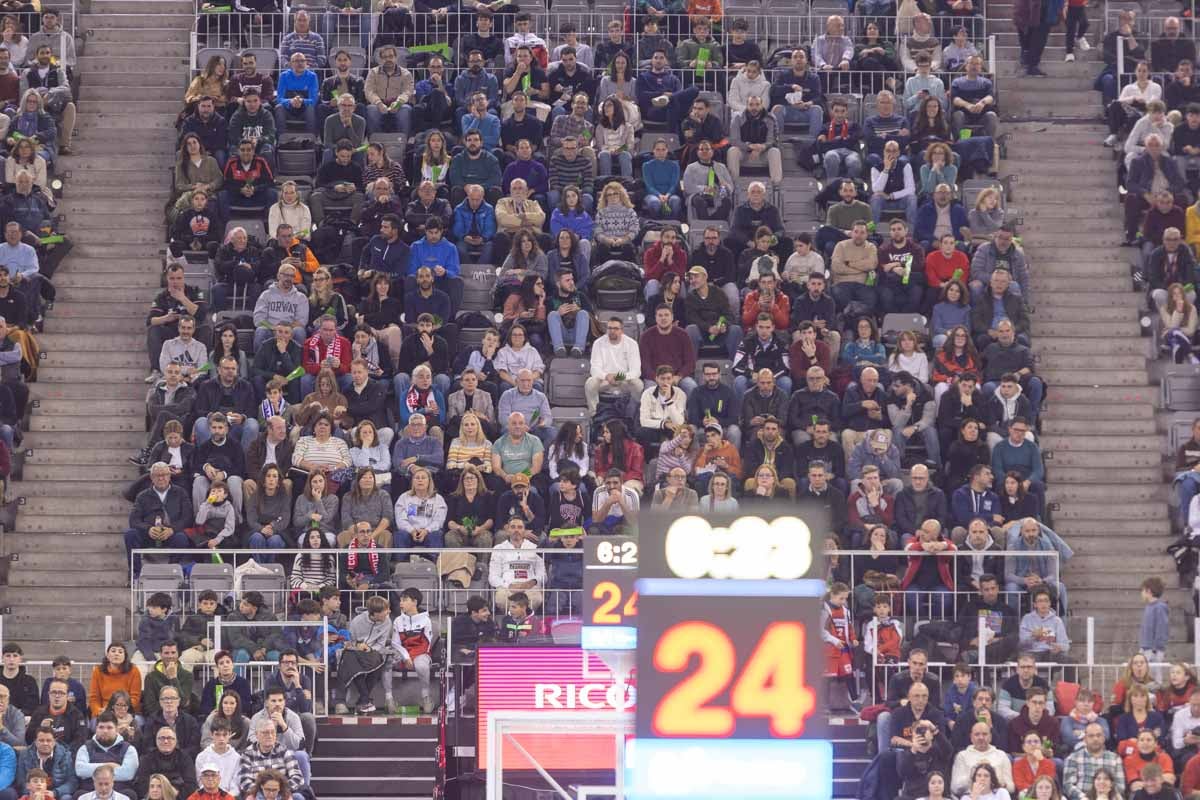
618 450
663 257
957 356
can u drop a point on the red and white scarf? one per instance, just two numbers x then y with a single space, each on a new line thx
352 557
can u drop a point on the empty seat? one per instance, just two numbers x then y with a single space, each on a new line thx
266 59
564 381
894 324
271 584
479 281
421 574
296 162
159 578
211 577
570 414
646 145
1181 390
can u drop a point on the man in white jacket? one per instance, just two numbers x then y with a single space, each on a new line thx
513 569
663 407
981 751
616 365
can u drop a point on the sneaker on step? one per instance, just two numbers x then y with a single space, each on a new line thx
341 708
560 352
1082 44
1110 140
369 708
1035 72
154 377
1070 57
576 352
142 458
426 704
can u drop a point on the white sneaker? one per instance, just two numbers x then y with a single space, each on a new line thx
1110 140
1082 44
154 377
1070 57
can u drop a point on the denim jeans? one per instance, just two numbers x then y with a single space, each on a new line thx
933 449
1187 485
284 112
846 293
842 163
245 431
732 338
879 203
262 543
559 330
743 384
653 206
399 120
465 257
606 160
814 117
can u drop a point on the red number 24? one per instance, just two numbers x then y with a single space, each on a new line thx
770 685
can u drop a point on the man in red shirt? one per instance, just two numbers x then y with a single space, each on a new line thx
668 344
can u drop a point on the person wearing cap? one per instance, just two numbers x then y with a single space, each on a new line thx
713 403
812 403
616 366
512 569
520 501
709 313
719 264
880 451
717 454
210 783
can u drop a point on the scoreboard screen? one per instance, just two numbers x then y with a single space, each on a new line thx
610 600
729 661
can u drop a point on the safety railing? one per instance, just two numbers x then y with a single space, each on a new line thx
1148 24
218 25
918 605
271 580
312 672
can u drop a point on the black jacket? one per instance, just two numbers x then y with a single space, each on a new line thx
70 728
832 454
229 261
256 455
1014 308
179 768
210 397
1156 268
175 511
228 457
370 404
186 728
905 510
806 404
23 690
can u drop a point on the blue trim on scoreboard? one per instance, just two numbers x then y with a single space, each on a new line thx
608 637
676 587
718 769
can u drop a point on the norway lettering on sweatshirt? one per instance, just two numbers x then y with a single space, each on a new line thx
275 305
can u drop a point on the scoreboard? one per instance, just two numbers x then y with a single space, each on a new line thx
609 593
729 659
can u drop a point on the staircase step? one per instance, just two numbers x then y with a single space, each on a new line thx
139 279
1128 564
115 267
143 206
1101 361
163 94
1102 396
1099 444
130 339
133 254
97 488
53 613
73 505
1108 315
80 310
93 375
1044 329
1092 458
155 47
114 472
1134 530
105 596
103 358
1094 377
1052 425
1125 299
1059 475
89 627
1065 346
120 392
95 523
42 578
41 422
96 325
1110 511
78 457
1112 493
1068 411
107 36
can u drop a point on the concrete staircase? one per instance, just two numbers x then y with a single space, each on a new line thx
1099 431
69 569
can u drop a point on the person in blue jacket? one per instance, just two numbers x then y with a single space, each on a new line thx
52 757
927 216
660 176
439 255
564 569
385 252
479 118
296 95
474 226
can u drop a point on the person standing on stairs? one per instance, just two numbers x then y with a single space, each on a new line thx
1077 28
1033 20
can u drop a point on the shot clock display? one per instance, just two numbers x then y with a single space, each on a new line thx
610 565
729 661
